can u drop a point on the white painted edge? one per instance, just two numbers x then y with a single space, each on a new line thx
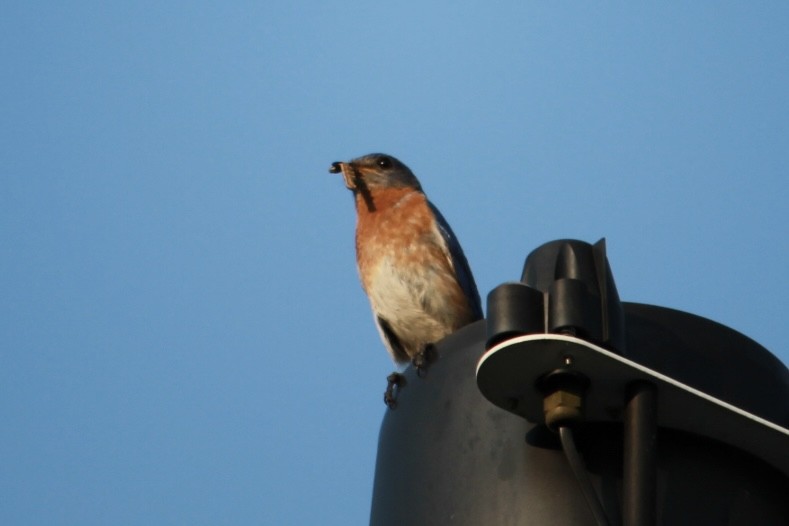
638 367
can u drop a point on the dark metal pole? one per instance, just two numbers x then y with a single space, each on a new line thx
640 455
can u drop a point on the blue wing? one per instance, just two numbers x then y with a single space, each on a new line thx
459 262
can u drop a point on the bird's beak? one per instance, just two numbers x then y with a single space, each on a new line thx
349 174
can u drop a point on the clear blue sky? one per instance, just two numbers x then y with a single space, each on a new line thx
183 336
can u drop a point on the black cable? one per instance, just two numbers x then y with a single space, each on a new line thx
577 465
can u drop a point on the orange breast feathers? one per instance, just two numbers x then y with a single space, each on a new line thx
398 246
396 226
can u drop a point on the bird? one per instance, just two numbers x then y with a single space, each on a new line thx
410 263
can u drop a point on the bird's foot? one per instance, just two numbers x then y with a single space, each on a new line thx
394 382
424 358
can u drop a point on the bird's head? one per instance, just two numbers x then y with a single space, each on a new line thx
375 171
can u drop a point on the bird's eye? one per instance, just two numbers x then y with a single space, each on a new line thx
385 162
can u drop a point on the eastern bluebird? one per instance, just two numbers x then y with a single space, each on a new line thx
410 263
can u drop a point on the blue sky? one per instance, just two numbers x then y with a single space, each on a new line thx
183 336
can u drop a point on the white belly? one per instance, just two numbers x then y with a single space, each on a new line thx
413 301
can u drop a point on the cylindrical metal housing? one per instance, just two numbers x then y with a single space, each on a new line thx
447 456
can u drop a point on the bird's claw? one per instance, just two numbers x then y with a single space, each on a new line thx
394 380
423 359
